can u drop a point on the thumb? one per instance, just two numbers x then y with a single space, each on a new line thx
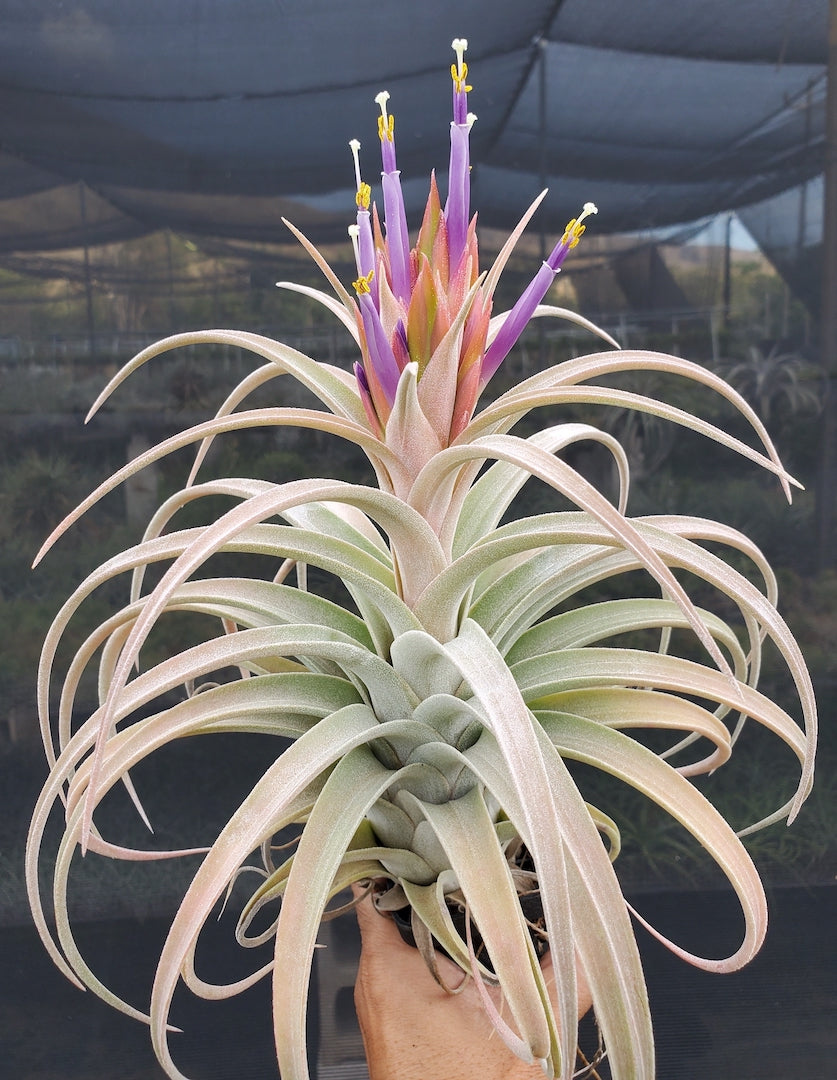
377 930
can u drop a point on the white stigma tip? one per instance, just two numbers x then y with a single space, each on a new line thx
382 98
590 208
354 233
354 146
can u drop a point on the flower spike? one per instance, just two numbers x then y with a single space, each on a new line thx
386 131
459 73
380 365
395 216
365 248
572 234
536 290
458 206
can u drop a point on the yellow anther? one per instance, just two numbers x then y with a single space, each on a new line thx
574 229
459 75
361 286
386 121
572 233
364 194
386 127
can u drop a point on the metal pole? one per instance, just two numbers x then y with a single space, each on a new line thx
727 279
88 281
827 481
542 109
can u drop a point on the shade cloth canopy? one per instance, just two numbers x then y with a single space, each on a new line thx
218 117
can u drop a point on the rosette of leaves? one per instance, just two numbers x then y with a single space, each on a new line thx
436 716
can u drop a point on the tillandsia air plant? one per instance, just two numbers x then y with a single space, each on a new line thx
436 718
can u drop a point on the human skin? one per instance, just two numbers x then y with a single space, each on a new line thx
412 1029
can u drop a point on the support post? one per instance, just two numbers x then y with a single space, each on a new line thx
542 171
88 280
827 481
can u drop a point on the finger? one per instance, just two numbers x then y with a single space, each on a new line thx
376 928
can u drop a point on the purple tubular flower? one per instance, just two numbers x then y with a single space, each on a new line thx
381 355
535 291
458 205
363 240
366 245
516 321
397 236
459 71
395 216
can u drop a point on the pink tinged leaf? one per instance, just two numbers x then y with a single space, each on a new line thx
440 257
323 379
444 316
461 281
601 930
562 477
124 751
357 781
318 420
552 311
561 384
622 756
421 315
467 392
472 250
467 834
431 221
499 263
471 352
409 433
253 822
252 382
378 236
437 389
509 1036
512 725
337 309
318 258
475 334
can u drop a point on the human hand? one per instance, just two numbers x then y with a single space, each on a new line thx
413 1030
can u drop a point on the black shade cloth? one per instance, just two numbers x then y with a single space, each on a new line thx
215 118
